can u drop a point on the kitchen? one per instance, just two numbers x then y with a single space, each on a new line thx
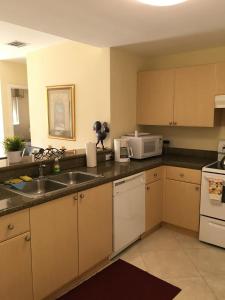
173 93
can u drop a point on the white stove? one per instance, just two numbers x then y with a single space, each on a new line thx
215 167
212 209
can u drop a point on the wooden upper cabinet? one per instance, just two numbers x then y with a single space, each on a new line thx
220 78
194 96
155 97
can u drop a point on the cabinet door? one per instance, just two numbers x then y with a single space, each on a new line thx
54 245
220 78
155 97
15 269
181 205
94 226
194 96
153 204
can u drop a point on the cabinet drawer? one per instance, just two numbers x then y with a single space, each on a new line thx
212 231
183 174
14 224
153 174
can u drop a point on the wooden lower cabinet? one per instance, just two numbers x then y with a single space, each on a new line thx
94 226
54 245
15 268
181 204
153 204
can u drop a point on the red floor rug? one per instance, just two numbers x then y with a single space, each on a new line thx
123 281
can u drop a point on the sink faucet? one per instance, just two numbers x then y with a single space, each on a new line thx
41 170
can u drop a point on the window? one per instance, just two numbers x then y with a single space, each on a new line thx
15 109
16 94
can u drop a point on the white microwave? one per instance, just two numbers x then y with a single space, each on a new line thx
145 146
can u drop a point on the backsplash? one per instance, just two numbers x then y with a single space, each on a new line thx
31 169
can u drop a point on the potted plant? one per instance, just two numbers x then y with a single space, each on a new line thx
13 147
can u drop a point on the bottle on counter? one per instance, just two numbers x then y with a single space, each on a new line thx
56 166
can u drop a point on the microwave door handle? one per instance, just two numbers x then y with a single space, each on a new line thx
131 154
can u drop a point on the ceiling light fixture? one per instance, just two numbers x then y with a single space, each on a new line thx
162 2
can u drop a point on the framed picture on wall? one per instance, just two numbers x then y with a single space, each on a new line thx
61 111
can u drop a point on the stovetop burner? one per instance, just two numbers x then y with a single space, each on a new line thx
217 165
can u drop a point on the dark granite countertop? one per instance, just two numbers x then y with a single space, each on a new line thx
10 202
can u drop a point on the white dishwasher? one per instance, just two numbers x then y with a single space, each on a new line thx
128 211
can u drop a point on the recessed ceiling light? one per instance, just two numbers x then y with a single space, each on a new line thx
162 2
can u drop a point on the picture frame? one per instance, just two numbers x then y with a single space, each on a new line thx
61 112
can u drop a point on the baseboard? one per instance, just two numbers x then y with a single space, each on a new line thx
79 280
153 229
180 229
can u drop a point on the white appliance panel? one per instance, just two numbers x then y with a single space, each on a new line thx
128 211
212 231
145 146
211 208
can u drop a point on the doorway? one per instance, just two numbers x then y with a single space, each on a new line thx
20 113
1 126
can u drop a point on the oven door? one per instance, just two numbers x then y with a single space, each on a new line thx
211 208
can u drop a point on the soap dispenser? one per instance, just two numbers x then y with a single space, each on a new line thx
56 166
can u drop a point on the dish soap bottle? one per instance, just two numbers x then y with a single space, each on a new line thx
56 166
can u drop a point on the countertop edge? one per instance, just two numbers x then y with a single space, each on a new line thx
29 203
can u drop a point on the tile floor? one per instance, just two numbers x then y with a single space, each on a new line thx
197 268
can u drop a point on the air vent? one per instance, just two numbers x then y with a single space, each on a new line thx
17 44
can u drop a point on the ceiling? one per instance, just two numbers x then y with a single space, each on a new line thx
194 23
34 39
177 44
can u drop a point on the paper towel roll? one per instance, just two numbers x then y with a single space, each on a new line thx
91 154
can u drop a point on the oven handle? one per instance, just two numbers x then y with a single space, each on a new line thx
217 225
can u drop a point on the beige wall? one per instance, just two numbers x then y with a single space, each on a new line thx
69 63
15 74
204 56
193 138
105 81
123 83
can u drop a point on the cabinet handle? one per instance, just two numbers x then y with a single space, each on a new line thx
175 123
181 175
27 238
11 226
81 196
148 188
155 174
170 123
197 188
75 197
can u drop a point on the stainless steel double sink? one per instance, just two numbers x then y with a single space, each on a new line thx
51 184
